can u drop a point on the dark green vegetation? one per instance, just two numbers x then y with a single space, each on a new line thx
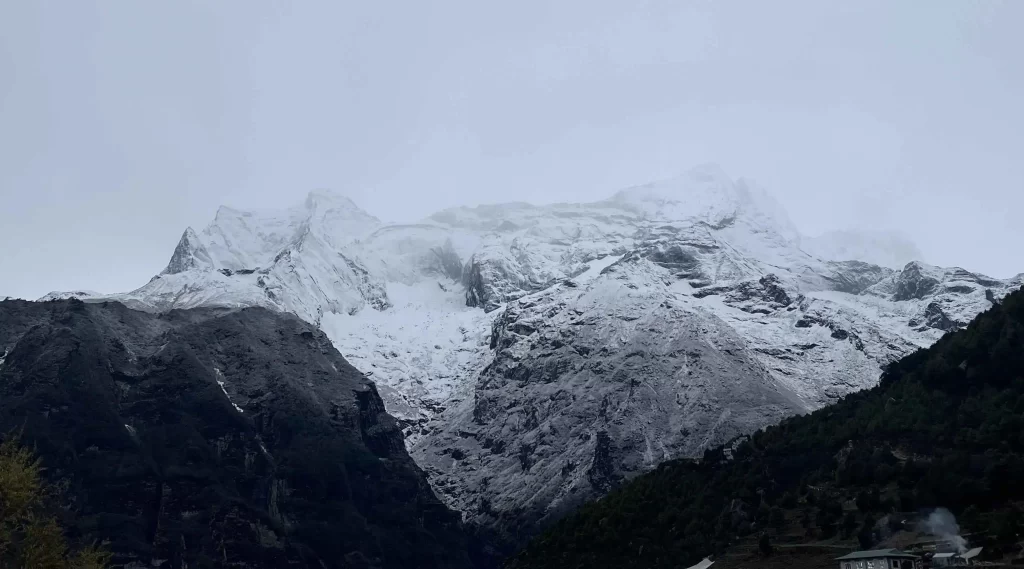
30 534
944 428
134 417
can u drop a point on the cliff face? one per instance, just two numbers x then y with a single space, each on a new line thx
215 438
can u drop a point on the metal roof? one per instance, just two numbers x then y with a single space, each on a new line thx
703 564
971 553
876 553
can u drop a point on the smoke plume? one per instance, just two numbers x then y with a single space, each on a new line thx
942 524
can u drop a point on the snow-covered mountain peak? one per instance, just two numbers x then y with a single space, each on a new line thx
765 211
66 294
247 240
708 195
250 239
539 354
337 218
705 194
337 207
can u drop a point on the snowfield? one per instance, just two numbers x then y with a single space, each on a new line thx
418 350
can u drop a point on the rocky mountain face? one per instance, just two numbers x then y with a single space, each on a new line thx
539 355
216 438
588 386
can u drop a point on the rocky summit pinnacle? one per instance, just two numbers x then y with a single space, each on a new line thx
189 254
539 355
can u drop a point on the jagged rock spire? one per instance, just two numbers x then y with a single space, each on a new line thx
189 254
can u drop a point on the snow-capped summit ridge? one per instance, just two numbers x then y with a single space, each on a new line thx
707 194
248 240
66 294
337 219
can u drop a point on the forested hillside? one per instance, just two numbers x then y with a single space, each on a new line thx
944 428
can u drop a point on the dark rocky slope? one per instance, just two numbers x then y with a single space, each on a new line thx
216 438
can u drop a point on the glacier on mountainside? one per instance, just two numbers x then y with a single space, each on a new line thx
539 355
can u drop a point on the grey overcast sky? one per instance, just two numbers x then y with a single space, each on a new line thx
122 122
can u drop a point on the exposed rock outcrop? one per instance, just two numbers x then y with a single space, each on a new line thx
189 254
914 282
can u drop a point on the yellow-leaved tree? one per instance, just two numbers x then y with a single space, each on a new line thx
30 537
